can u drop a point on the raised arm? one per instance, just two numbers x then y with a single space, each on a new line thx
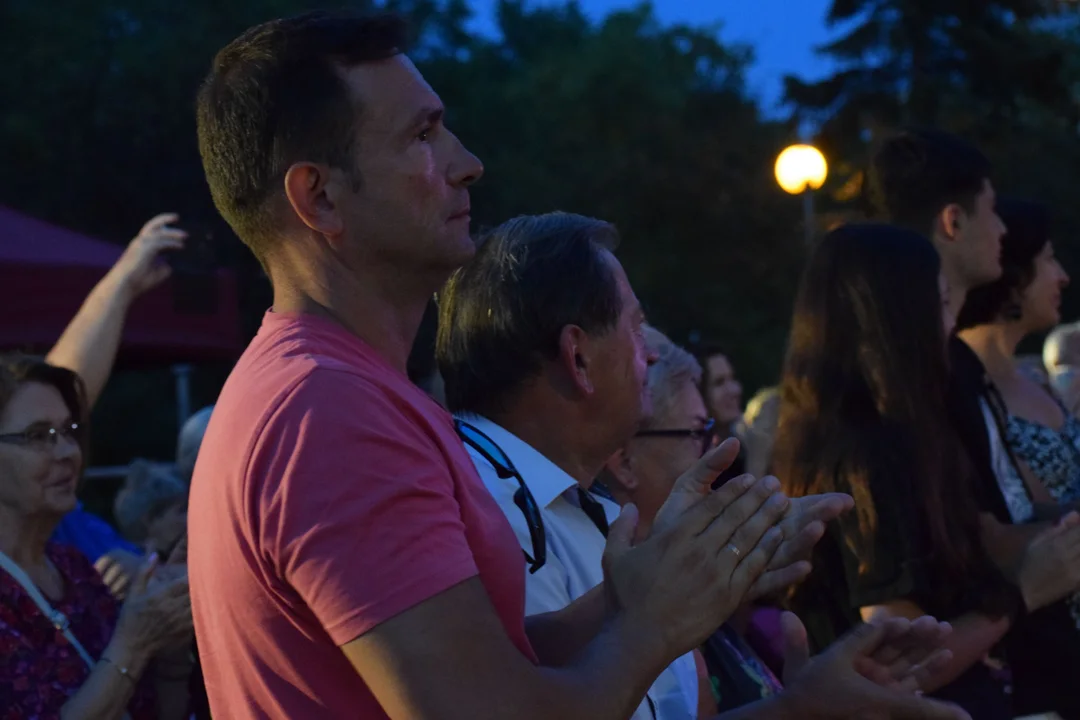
89 344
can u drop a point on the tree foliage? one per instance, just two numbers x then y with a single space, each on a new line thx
639 123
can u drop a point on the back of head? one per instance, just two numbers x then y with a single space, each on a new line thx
1062 347
501 316
867 326
190 440
1027 231
863 392
275 96
149 489
915 175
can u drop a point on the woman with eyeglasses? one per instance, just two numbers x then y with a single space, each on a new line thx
66 648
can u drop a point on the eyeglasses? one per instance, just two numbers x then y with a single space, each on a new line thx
522 498
43 436
705 434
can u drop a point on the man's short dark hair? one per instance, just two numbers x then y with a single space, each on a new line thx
502 314
915 175
275 96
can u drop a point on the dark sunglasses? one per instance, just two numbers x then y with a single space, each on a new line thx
522 498
706 435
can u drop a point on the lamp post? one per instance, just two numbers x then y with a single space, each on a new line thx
800 170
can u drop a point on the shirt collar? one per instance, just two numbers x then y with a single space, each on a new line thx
545 480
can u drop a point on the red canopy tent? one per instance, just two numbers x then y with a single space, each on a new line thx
46 272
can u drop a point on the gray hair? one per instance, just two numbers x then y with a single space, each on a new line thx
150 488
674 366
1062 346
189 442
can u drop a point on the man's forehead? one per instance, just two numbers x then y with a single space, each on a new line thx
391 92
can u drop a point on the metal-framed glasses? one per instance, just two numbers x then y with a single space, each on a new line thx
705 435
523 499
44 436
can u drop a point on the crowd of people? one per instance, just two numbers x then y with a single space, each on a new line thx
577 518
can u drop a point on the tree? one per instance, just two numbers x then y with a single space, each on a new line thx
638 123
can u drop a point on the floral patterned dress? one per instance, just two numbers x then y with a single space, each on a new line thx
39 669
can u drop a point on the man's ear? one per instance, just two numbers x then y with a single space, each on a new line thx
619 466
314 192
576 358
950 221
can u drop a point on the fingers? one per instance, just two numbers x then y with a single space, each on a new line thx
753 564
864 639
701 512
142 578
772 581
796 645
1070 521
699 479
923 675
752 530
798 548
898 641
158 221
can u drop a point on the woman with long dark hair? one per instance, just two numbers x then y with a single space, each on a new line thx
863 412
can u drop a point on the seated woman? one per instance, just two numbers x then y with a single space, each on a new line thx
1041 479
151 507
863 412
66 648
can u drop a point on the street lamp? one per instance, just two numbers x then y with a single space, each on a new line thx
800 170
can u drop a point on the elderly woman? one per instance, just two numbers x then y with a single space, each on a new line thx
151 508
66 649
828 686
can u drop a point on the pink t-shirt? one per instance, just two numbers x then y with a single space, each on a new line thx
330 495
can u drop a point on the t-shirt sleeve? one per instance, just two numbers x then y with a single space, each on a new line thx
358 510
882 563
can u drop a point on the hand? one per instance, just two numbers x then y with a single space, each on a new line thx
139 268
1050 569
117 569
157 613
678 586
834 683
803 526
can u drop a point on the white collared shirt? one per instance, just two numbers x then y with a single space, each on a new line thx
575 547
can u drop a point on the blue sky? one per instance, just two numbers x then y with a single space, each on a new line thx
782 32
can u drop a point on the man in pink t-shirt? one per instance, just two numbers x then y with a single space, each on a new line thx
330 495
345 559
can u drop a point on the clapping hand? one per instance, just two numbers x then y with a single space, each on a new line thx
873 673
802 526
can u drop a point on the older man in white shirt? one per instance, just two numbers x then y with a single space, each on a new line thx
542 349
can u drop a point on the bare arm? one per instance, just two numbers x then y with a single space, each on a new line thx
106 693
559 637
89 343
403 661
973 634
